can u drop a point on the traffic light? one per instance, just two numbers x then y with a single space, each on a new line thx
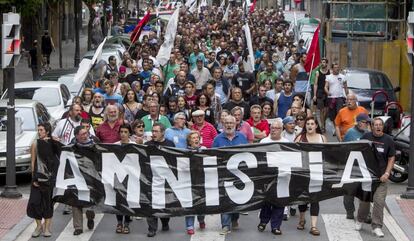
10 41
410 36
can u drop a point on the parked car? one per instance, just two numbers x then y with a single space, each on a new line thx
365 82
55 96
106 53
28 115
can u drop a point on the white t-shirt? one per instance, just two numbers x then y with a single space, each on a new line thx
268 140
289 136
64 130
336 85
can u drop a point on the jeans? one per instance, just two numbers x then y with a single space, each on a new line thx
189 221
378 209
273 214
227 218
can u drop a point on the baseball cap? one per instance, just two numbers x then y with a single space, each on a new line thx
288 119
362 117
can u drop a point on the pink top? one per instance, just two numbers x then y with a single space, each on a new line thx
246 130
207 132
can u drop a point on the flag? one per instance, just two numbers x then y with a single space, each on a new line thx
252 6
137 30
165 50
249 44
189 3
313 57
226 14
223 3
193 7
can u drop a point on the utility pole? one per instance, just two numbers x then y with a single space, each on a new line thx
77 7
10 55
409 193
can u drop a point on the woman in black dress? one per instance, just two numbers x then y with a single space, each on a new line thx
40 205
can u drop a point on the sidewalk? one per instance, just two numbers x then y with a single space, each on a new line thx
402 210
24 73
12 212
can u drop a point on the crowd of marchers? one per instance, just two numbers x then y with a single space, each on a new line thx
210 95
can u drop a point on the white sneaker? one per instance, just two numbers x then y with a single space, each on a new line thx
378 232
358 226
225 231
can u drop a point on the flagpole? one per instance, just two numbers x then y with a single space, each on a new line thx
135 37
310 74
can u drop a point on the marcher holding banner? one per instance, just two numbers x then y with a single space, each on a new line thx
270 212
194 144
229 137
386 157
40 205
310 133
158 139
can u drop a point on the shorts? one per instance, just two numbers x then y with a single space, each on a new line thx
334 105
321 102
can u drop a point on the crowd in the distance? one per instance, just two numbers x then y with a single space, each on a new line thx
209 95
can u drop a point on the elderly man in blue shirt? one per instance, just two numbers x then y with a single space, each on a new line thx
229 137
178 133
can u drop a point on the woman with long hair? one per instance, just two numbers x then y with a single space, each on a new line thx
203 103
40 205
86 96
267 110
311 133
130 105
194 144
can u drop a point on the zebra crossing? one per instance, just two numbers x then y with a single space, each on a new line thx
332 224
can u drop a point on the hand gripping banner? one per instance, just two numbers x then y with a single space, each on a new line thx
141 180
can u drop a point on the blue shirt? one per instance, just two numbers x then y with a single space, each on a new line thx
222 140
353 134
178 136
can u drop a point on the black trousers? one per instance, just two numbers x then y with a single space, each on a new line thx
153 223
314 208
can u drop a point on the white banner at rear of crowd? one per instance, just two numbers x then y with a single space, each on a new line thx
226 14
165 50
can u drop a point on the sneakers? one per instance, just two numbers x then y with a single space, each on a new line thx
225 230
190 231
285 217
36 233
202 225
47 234
378 232
358 226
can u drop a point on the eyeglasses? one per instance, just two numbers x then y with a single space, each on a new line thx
300 119
140 126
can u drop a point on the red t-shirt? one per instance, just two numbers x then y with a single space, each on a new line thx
207 132
106 134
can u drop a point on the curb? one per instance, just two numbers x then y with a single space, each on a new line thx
18 229
399 217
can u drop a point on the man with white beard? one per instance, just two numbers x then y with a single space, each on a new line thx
229 137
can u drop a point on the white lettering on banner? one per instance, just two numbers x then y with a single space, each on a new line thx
77 180
284 161
316 171
181 185
130 167
211 181
240 196
346 176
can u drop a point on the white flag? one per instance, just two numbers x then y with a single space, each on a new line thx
226 14
165 50
193 7
249 44
223 3
203 3
189 3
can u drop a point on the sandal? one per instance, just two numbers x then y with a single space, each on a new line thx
261 227
119 228
314 231
301 225
125 230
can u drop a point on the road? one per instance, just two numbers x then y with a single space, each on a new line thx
331 223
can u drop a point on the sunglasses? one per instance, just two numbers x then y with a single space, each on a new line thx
140 126
300 119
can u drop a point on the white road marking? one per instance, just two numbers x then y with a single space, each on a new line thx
27 232
393 227
212 231
339 228
67 233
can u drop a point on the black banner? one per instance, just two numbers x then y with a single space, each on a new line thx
147 181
